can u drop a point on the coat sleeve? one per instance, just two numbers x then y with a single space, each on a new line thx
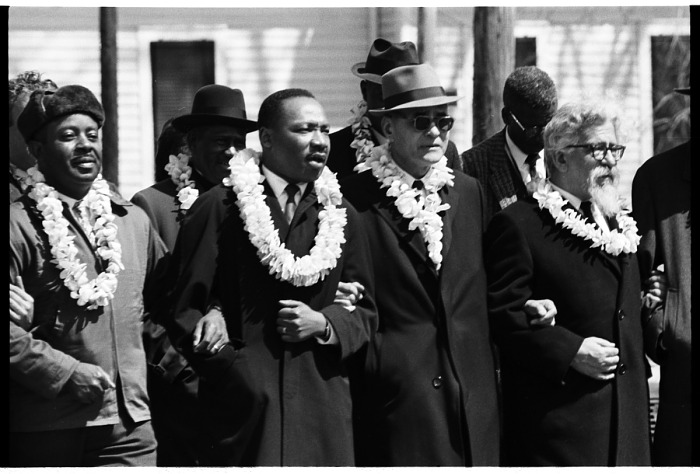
643 210
510 268
192 269
354 329
33 362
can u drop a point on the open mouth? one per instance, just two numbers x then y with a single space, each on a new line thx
317 159
85 163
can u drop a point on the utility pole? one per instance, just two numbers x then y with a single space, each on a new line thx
427 28
494 60
108 65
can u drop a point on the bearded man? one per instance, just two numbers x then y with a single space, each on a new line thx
574 393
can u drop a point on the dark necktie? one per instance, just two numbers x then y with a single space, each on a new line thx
587 211
531 161
290 207
418 186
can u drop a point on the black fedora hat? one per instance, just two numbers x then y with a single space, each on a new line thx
216 105
383 57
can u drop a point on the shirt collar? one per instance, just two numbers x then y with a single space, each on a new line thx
518 155
277 183
573 200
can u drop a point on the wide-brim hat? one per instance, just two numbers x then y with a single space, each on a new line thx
216 105
410 87
45 106
383 57
683 90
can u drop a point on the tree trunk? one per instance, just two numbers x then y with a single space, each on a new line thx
494 59
108 63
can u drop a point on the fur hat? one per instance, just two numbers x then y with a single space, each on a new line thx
216 105
410 87
383 57
46 106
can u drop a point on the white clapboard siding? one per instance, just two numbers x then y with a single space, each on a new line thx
598 52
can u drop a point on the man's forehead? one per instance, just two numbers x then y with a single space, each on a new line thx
303 109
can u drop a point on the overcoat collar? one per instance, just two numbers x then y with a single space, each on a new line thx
413 238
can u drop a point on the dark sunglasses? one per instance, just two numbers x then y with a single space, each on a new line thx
529 132
424 122
600 150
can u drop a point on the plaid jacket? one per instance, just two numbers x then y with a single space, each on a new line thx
490 164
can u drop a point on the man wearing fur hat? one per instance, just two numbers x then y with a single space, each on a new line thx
78 393
215 128
348 145
429 395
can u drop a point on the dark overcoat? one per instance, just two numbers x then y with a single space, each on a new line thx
342 159
268 402
429 396
661 206
489 163
554 415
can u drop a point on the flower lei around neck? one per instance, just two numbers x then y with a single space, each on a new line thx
613 242
362 131
25 179
180 173
246 180
102 235
423 212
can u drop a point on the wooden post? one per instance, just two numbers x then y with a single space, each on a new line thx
427 28
108 63
494 60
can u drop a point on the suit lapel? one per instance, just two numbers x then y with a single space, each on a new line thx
451 197
501 178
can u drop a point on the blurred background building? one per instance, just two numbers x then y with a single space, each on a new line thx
633 55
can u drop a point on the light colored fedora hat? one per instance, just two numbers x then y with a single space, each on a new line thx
410 87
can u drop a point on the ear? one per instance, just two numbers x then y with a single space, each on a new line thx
561 161
387 127
265 135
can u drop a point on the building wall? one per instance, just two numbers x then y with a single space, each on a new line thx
591 53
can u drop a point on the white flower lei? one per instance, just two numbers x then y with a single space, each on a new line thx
422 211
103 235
613 242
246 181
180 173
361 128
25 178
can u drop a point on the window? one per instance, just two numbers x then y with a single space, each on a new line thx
670 68
179 69
525 52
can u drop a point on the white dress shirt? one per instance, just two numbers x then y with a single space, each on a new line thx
518 156
278 184
576 202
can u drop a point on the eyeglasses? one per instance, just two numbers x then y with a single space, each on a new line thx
600 150
529 132
424 122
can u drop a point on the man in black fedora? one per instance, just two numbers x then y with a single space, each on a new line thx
214 130
428 397
350 143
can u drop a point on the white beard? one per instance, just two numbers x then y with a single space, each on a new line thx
602 186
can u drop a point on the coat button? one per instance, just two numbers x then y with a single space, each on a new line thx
622 369
437 382
620 314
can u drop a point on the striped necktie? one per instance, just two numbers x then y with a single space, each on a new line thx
290 207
